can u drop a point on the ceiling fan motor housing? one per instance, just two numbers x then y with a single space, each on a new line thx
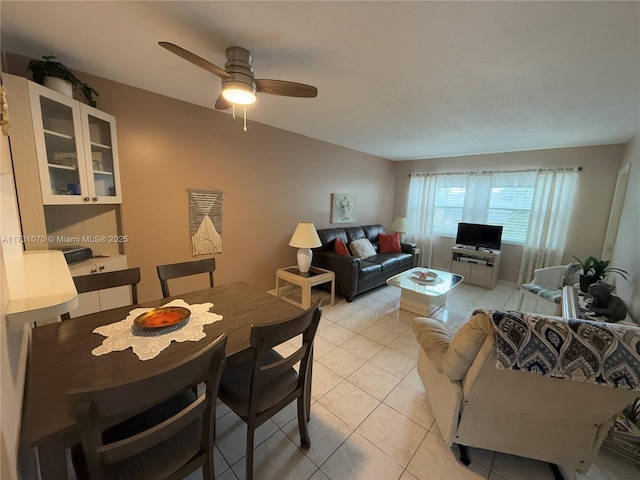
239 66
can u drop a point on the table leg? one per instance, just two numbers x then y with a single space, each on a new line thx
52 458
277 286
306 296
333 291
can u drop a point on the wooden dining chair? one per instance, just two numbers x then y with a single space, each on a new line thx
102 281
171 438
258 383
184 269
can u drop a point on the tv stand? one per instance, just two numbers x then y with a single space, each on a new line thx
478 266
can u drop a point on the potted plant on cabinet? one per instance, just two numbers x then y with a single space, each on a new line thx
50 73
594 270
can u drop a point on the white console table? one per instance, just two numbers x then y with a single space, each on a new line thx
478 267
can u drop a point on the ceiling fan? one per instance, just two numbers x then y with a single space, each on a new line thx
238 83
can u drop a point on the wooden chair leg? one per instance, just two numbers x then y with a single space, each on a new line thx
249 462
303 418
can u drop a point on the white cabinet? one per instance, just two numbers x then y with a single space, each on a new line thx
76 147
478 267
92 302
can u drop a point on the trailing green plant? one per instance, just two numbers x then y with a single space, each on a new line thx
597 269
48 68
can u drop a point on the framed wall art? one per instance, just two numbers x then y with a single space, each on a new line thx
343 208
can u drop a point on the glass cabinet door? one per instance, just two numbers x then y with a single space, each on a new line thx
76 149
59 148
101 152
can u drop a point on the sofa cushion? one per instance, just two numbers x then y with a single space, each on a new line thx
369 269
388 261
328 235
371 232
362 248
433 339
354 233
465 345
389 242
341 247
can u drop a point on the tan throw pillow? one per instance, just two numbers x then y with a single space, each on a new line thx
362 248
465 345
433 338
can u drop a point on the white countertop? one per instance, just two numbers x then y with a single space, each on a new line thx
40 286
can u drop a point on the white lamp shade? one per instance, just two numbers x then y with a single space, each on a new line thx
400 224
305 236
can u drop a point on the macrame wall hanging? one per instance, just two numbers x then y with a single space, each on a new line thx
205 221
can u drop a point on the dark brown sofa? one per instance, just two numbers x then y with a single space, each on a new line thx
353 275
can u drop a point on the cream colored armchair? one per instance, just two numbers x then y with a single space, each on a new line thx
547 285
559 421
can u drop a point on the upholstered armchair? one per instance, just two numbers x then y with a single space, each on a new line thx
495 385
547 284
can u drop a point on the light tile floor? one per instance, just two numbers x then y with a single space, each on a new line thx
370 418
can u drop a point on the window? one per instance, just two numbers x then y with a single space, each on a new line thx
448 204
532 206
511 208
500 198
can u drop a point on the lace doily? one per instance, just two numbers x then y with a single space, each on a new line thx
147 344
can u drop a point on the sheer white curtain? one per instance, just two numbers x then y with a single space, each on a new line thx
422 190
549 221
546 227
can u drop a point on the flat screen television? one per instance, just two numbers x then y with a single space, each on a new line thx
479 236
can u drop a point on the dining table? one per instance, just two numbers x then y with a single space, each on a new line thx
60 357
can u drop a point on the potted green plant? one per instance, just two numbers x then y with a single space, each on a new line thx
594 270
47 67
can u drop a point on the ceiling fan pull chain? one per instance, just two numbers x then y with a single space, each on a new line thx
233 111
245 119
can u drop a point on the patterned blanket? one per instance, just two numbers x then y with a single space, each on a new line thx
594 352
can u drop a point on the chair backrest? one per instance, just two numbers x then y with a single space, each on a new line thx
102 281
98 409
266 371
184 269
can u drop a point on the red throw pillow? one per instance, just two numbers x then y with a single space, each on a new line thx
389 242
341 247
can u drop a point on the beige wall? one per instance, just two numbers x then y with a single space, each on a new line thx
596 184
626 253
271 179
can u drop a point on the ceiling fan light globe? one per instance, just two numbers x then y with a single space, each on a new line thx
239 93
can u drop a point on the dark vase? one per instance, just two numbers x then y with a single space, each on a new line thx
586 281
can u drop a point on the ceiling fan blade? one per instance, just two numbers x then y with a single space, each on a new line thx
195 59
222 103
286 89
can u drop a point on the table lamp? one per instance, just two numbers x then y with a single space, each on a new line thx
305 237
401 226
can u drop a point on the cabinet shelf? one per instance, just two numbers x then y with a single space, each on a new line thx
101 146
61 167
56 134
100 172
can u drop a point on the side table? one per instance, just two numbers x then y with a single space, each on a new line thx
315 276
